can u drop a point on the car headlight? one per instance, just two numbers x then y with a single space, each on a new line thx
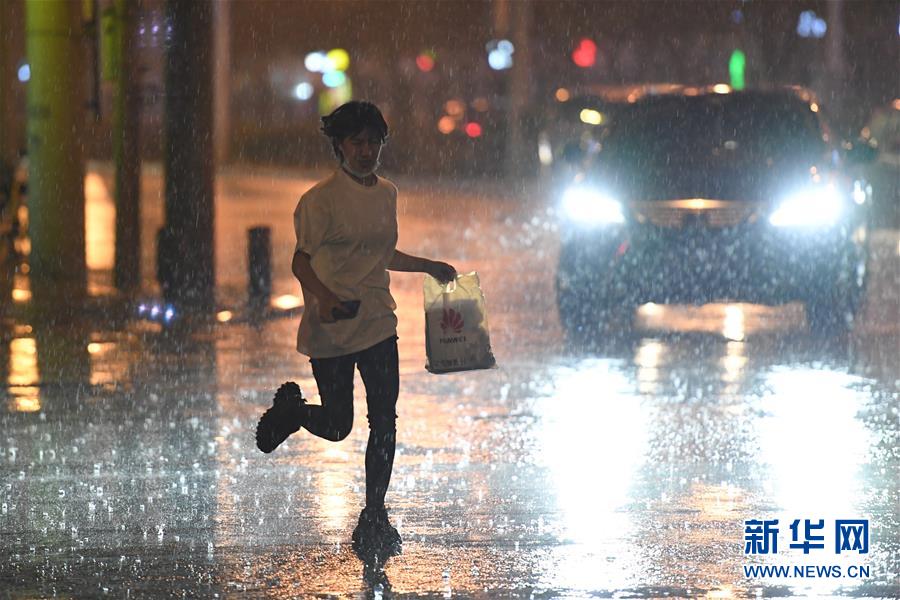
816 206
591 207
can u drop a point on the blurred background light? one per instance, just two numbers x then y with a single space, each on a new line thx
499 60
338 59
545 150
334 79
333 97
286 302
590 116
737 65
454 108
303 91
446 125
24 73
562 95
500 54
811 25
473 129
585 54
481 104
425 61
315 62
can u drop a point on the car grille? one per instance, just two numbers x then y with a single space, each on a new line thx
695 211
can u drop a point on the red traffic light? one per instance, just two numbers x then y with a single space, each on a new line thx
425 62
585 54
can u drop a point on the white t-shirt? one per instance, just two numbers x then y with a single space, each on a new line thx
350 232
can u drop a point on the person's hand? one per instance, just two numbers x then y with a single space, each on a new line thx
441 271
327 304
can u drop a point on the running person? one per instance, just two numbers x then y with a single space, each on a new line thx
346 228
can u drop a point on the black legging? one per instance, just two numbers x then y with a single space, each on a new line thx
380 371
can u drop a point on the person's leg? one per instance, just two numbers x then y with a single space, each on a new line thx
379 367
334 419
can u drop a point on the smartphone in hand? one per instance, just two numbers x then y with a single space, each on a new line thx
350 309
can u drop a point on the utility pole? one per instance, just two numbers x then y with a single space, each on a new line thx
222 97
126 151
186 252
6 139
836 63
518 152
56 167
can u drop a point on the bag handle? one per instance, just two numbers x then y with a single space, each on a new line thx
447 289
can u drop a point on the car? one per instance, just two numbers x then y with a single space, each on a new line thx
707 194
882 134
577 117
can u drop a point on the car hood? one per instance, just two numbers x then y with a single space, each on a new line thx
705 177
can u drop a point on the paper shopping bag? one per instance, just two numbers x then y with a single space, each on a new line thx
456 327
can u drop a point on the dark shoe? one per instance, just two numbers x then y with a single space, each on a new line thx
375 536
283 419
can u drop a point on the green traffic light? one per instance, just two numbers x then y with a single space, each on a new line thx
736 68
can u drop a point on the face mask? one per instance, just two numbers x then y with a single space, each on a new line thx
359 174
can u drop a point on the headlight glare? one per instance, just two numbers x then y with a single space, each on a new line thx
591 207
817 206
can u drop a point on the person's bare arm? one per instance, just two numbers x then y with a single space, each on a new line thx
416 264
304 273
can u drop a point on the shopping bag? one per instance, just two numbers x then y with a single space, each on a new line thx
456 327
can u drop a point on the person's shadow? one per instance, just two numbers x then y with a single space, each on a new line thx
378 586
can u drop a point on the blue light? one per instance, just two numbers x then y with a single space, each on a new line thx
506 46
303 91
154 312
819 28
810 25
499 60
170 312
334 79
142 309
500 54
24 73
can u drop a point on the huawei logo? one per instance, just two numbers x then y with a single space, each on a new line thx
452 321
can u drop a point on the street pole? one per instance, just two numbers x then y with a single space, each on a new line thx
186 252
836 64
126 125
222 96
6 78
56 167
518 152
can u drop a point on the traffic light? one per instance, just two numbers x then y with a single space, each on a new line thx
585 53
736 69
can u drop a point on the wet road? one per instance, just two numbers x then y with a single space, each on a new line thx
128 467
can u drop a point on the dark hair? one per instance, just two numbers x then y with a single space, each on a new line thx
349 119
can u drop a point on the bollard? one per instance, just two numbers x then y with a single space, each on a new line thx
166 261
260 265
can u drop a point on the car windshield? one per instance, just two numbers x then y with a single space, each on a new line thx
730 128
